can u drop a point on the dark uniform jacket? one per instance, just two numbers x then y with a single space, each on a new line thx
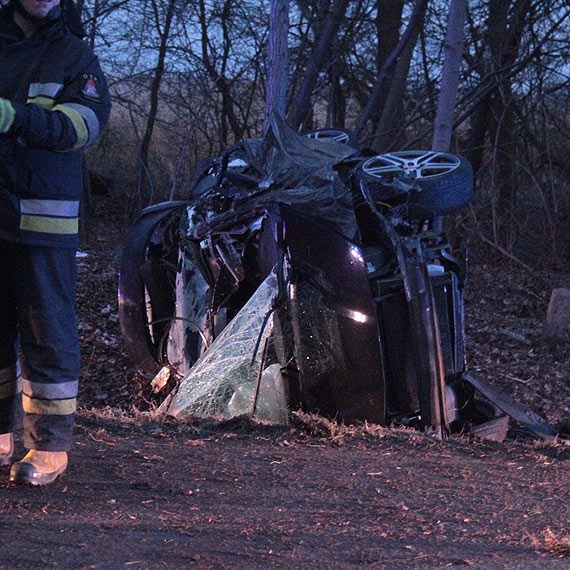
62 103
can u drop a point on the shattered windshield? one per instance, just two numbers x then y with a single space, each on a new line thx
223 380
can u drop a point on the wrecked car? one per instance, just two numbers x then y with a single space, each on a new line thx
304 273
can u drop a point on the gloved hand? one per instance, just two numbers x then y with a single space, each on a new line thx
7 115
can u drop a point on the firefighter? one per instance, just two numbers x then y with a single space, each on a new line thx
54 102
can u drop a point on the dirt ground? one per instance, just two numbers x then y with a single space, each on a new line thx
147 492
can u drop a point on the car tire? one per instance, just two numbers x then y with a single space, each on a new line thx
437 194
335 134
443 194
143 280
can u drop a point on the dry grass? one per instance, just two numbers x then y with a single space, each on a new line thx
315 425
550 542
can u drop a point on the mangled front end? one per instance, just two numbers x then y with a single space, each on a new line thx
297 289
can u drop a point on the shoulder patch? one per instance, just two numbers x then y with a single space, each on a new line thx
89 86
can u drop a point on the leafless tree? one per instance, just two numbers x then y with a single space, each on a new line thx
443 125
278 57
163 14
319 57
377 67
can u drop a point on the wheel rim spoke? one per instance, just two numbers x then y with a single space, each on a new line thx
338 136
421 164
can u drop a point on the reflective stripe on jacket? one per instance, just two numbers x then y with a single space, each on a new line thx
62 103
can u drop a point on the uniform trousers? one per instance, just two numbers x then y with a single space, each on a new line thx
39 344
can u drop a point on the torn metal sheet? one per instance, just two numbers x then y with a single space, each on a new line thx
529 419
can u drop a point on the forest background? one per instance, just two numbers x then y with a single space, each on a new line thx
188 79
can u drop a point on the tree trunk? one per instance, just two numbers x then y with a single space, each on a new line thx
278 60
388 24
412 28
93 28
450 76
157 79
302 106
392 113
336 112
228 115
504 34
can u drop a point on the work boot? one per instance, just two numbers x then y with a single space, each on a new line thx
6 448
39 467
